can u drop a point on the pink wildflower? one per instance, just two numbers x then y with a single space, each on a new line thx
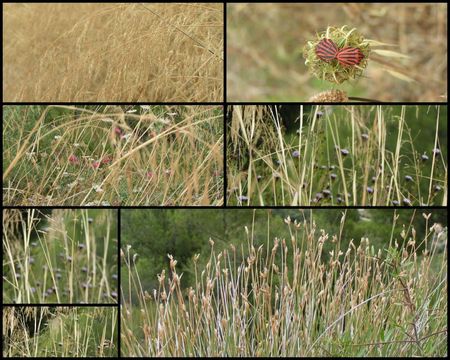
106 160
73 159
118 131
96 164
150 175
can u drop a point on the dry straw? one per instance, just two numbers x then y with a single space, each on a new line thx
129 52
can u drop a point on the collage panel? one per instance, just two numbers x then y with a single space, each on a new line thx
113 155
113 52
283 282
60 331
337 155
337 52
60 256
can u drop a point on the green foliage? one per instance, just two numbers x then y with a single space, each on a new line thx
152 234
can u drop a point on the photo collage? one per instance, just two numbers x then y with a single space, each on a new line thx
224 180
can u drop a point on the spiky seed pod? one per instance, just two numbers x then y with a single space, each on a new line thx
337 54
330 96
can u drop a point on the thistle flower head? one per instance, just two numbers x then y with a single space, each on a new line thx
333 70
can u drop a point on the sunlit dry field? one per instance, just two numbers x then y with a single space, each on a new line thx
112 52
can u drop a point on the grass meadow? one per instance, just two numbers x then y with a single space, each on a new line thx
408 61
60 256
111 155
124 52
337 155
59 332
311 293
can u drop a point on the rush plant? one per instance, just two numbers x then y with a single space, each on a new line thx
289 297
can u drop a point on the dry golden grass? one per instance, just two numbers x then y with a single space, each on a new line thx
113 52
265 41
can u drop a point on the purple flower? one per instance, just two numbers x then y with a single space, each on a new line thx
408 178
436 152
407 202
326 192
296 154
